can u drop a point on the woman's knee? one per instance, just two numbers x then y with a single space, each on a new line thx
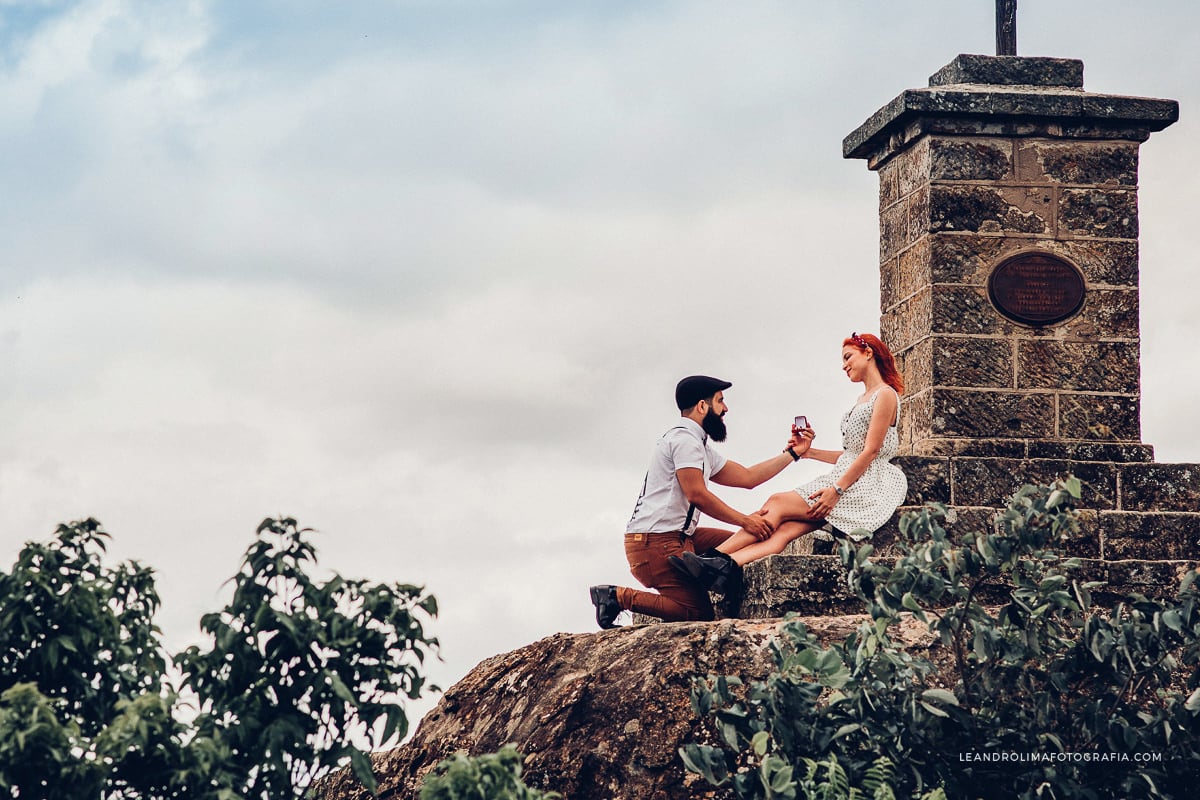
781 499
785 505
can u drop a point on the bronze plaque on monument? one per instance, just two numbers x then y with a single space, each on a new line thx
1037 289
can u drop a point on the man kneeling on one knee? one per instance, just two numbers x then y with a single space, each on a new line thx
665 521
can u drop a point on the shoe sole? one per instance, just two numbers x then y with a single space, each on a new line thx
599 599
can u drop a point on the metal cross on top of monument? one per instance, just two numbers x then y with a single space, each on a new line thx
1006 27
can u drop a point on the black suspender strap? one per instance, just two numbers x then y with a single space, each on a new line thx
687 522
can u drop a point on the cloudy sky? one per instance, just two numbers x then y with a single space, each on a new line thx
423 273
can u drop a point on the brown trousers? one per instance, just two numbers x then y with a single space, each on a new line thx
678 598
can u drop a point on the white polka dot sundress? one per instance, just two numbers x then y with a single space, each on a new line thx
872 499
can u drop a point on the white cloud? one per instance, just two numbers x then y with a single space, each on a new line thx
428 286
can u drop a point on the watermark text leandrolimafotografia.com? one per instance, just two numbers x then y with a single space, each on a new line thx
1017 757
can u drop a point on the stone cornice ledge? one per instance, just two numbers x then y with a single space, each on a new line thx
1005 90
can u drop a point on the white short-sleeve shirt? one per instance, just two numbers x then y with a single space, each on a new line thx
662 506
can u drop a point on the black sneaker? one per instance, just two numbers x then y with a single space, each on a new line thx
604 598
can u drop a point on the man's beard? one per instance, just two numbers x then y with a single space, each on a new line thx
714 426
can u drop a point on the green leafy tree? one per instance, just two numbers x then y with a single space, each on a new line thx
300 675
1044 694
495 776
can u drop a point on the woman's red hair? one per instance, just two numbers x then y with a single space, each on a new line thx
883 358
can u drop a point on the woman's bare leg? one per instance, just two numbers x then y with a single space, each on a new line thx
784 533
778 509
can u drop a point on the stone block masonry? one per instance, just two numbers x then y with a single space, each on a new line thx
1003 156
1008 262
1139 526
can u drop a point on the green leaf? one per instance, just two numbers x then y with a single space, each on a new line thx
341 690
847 729
940 696
932 709
360 763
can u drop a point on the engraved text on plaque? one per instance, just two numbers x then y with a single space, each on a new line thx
1037 289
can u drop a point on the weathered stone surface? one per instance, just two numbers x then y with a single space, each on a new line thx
599 716
1107 313
913 168
908 321
1150 536
1010 71
998 101
1156 114
893 225
972 362
1100 417
1099 482
966 309
1021 449
928 479
918 215
1152 578
1108 213
1104 263
903 223
1091 451
889 183
999 110
985 414
969 159
1018 126
1088 163
1088 542
979 448
906 275
965 258
1160 487
916 420
991 481
1078 366
987 208
916 365
969 257
809 585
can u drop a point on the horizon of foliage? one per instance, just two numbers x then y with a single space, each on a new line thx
296 674
1044 695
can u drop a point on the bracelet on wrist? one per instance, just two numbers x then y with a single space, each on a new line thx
795 456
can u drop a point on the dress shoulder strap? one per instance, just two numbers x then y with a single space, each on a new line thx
895 421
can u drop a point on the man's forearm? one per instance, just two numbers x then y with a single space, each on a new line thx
762 472
718 509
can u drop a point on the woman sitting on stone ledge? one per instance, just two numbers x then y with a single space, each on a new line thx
855 498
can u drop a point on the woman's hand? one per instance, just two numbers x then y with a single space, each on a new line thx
822 502
801 440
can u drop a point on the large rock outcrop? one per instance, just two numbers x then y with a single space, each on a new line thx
600 716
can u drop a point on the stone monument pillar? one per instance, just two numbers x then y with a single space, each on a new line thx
1008 248
1009 258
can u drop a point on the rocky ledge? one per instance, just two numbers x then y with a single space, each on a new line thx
598 715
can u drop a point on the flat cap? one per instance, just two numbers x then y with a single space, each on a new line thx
694 388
